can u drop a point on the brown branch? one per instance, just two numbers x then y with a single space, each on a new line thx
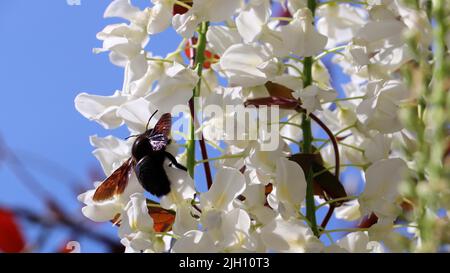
328 216
202 142
337 163
333 140
67 222
21 172
206 166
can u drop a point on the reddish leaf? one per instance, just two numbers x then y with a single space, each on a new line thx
326 184
283 103
368 221
11 238
279 95
163 219
278 90
268 189
116 220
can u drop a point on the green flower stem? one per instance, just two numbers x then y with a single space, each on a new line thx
359 229
296 69
182 4
349 98
362 166
344 230
179 49
199 61
326 52
329 202
343 1
240 155
336 134
286 19
437 120
159 60
291 140
308 139
295 59
352 147
200 55
440 99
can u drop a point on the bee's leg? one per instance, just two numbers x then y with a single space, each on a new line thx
174 161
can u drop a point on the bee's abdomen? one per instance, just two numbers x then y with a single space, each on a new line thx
152 176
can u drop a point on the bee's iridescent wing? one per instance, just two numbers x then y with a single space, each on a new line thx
159 136
115 184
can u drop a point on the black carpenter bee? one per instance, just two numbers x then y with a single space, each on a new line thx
147 159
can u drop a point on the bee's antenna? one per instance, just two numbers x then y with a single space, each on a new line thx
148 122
131 136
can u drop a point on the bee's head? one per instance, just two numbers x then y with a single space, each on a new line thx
141 147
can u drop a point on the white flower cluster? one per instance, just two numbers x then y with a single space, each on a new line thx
258 198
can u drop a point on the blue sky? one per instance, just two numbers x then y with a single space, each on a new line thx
46 60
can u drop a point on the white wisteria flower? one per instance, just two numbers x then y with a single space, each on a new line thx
204 10
160 17
380 108
340 23
290 189
381 189
249 64
290 236
229 183
300 37
350 96
356 242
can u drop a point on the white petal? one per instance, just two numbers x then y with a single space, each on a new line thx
221 37
185 24
250 23
182 188
215 10
99 212
160 18
137 213
358 242
381 189
174 89
136 114
300 36
137 67
194 242
228 184
111 152
291 182
121 8
184 222
289 236
240 62
235 228
101 109
349 211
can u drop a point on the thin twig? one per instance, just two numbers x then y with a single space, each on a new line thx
328 216
333 141
206 162
65 221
